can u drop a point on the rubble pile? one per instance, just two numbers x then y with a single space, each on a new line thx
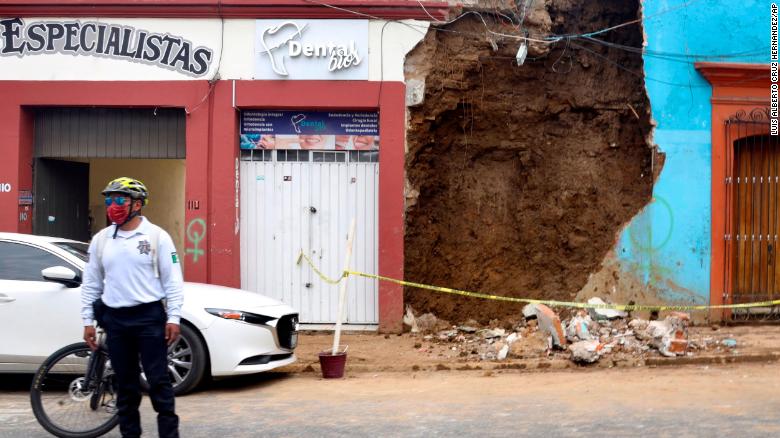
584 338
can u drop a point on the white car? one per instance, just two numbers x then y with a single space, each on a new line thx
224 331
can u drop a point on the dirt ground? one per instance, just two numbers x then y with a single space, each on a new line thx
521 177
408 353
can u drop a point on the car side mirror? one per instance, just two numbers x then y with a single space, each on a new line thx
61 274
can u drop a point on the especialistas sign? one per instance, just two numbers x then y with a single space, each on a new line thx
86 38
311 49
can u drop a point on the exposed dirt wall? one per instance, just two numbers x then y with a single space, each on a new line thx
521 177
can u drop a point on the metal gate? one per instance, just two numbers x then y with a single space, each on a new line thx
300 200
753 174
61 199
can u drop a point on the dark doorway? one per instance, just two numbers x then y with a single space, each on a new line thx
61 206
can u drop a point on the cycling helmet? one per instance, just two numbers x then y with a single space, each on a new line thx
128 186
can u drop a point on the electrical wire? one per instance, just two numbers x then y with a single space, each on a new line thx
215 77
547 39
381 63
526 5
554 67
660 54
553 39
628 23
413 25
651 79
444 22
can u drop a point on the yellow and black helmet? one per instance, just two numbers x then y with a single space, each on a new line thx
128 186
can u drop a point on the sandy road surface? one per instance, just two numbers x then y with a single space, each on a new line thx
730 400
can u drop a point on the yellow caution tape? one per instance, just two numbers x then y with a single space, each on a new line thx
552 303
324 277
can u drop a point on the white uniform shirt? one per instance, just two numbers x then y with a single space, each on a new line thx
129 273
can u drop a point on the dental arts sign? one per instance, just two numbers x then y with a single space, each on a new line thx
86 38
311 49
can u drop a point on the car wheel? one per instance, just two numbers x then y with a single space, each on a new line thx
186 362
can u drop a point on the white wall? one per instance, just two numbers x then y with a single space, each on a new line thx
398 39
67 67
237 59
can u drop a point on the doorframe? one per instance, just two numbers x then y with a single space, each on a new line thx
21 98
389 98
259 270
735 87
37 221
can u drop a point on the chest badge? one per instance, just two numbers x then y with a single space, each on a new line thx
144 247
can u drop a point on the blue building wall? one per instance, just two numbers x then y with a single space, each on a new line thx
668 244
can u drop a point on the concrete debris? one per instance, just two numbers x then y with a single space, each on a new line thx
586 351
410 320
467 329
502 353
427 322
495 333
548 321
669 336
578 328
529 311
638 326
591 340
415 92
601 314
447 335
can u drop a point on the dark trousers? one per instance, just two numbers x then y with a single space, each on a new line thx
134 331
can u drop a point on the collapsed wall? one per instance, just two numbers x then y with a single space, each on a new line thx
520 178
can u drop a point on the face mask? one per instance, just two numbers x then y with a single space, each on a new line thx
118 213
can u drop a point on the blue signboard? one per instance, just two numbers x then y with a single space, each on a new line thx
318 130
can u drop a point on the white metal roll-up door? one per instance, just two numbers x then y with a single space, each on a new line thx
293 206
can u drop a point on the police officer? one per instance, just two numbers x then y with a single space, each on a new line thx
138 262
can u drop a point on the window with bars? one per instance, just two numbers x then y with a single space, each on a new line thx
295 155
329 157
292 155
256 155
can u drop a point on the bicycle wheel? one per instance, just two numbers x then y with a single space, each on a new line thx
61 402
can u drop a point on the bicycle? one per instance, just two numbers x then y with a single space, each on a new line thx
73 394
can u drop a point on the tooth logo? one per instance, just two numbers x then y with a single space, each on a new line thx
296 122
271 41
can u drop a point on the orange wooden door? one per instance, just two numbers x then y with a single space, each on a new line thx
755 220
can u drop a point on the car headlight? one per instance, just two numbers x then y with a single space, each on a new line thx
238 315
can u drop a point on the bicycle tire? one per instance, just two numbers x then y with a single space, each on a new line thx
37 403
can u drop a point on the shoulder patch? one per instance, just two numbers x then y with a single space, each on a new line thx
174 257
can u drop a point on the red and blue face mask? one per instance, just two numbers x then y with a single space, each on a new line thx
118 209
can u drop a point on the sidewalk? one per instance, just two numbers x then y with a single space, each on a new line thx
408 353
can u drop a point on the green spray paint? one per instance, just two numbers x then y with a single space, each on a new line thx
196 232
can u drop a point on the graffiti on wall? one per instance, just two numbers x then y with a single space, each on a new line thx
642 236
649 234
196 232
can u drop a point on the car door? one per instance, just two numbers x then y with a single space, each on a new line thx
37 317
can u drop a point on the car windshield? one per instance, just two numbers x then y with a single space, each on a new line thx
77 249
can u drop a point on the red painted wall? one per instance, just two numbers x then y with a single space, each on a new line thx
212 248
389 98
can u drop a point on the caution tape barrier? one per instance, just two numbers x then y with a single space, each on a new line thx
552 303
